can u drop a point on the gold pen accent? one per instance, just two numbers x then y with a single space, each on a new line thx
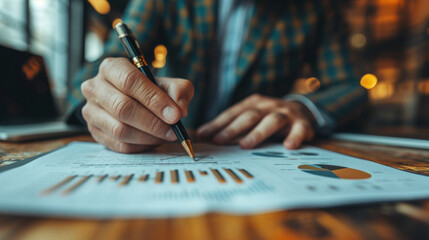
188 147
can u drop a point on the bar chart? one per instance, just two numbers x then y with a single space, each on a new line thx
220 176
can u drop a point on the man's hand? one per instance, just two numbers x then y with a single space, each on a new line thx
256 118
128 113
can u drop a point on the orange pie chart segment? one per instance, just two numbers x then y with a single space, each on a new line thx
333 171
350 173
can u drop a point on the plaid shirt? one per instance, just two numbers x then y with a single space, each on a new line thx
283 37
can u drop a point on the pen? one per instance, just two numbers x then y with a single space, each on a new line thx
133 50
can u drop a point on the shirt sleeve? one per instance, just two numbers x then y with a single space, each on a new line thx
325 124
340 97
143 18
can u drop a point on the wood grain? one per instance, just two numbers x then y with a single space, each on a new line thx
396 220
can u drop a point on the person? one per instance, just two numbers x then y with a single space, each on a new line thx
240 59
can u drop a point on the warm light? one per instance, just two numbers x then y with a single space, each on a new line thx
32 67
358 40
160 57
312 84
160 49
368 81
160 53
383 90
424 87
101 6
158 64
116 21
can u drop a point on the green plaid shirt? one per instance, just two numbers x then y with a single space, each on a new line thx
283 37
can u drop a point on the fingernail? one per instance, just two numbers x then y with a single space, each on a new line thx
248 141
170 113
170 135
290 143
221 137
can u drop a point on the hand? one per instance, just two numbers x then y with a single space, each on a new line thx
259 117
128 113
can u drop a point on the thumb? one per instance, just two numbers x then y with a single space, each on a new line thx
180 90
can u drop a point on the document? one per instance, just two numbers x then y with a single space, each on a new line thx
88 180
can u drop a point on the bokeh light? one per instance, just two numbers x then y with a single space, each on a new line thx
160 53
358 40
424 87
368 81
383 90
101 6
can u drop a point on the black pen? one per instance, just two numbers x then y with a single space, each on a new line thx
133 50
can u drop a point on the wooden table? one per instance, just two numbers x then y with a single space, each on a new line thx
398 220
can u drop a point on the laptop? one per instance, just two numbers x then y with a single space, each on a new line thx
27 106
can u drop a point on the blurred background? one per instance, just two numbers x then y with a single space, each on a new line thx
389 41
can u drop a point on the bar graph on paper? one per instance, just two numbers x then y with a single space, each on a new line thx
174 177
88 180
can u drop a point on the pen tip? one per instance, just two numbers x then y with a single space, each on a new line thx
188 147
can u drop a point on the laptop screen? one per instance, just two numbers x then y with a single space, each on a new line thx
25 94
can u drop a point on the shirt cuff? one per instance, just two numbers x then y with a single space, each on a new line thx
325 123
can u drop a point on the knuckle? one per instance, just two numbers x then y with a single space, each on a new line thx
106 64
129 81
157 127
268 104
150 97
120 131
253 115
85 112
287 111
277 117
87 88
123 108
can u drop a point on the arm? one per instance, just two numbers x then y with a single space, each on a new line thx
256 118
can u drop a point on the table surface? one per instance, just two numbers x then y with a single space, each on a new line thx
394 220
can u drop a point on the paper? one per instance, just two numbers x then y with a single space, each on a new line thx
87 180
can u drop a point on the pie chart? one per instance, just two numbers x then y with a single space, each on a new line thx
333 171
270 154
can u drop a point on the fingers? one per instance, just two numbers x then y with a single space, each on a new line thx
115 145
272 123
238 127
98 118
180 90
124 109
300 131
227 116
131 82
